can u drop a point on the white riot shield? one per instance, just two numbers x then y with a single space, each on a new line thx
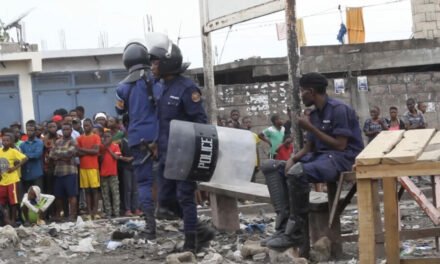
201 152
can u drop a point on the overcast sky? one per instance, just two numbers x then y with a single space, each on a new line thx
84 20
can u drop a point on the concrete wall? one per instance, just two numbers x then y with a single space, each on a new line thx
426 18
258 100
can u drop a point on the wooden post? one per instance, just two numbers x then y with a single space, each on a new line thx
367 215
208 66
392 241
435 181
293 60
224 212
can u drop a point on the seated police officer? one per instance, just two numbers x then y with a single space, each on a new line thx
135 96
333 142
180 100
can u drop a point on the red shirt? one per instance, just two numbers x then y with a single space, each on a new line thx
88 161
109 166
283 152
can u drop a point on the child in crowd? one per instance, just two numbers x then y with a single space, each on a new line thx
10 161
34 204
113 125
109 175
235 117
374 125
394 123
88 151
273 135
286 149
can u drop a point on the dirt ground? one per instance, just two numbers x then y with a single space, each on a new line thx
38 245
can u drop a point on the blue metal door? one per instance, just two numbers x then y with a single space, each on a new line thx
49 101
9 101
97 100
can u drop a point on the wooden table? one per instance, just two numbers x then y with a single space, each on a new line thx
392 154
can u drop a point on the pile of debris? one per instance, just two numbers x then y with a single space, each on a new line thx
120 240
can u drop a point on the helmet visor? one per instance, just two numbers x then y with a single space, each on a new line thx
159 45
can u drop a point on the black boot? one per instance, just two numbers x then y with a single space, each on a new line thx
204 235
150 224
279 196
296 234
190 242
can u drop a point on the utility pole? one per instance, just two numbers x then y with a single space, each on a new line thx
208 66
293 62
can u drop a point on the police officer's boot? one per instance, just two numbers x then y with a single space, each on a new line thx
150 224
204 234
195 241
296 233
277 185
190 242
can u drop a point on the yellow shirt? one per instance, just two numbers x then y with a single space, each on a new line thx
10 156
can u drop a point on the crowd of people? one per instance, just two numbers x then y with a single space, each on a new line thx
413 118
67 159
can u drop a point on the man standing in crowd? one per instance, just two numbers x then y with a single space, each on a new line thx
333 141
32 171
65 174
88 151
180 100
135 96
413 118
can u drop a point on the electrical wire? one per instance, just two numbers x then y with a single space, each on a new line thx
224 44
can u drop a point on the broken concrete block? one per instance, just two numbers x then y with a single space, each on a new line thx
251 248
178 258
321 250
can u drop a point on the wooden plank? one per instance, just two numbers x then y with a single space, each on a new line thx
410 147
432 151
420 261
392 241
381 145
367 251
420 198
248 190
388 170
256 192
406 234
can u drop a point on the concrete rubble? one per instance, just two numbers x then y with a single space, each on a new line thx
96 242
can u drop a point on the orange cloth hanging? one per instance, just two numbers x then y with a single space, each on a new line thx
355 25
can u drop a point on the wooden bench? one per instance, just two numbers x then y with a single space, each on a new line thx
225 214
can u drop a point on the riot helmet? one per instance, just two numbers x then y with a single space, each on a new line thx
136 60
169 55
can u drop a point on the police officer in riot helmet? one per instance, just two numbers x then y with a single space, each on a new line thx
135 97
180 99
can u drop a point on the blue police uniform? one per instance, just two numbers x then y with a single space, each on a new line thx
143 126
180 100
324 164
